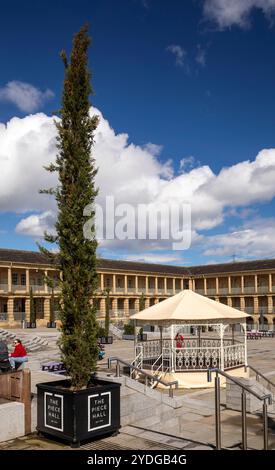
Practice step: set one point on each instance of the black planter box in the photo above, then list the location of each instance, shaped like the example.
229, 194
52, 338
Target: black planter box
106, 339
51, 324
76, 416
30, 324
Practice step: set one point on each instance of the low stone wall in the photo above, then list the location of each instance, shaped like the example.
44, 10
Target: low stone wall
12, 421
234, 393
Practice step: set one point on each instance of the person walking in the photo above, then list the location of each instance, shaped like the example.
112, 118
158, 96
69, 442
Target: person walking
19, 355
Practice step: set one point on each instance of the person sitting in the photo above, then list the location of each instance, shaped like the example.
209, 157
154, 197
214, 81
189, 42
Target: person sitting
19, 355
4, 357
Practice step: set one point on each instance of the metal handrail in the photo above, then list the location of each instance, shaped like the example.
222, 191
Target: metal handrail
264, 398
146, 374
161, 364
259, 374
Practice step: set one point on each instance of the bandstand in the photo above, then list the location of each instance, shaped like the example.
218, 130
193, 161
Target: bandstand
212, 335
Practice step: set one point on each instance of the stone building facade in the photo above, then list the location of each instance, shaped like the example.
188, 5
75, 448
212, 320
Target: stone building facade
248, 286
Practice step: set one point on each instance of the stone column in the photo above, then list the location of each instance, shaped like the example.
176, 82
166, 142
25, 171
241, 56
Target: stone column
256, 305
47, 309
242, 284
181, 284
147, 303
242, 304
102, 282
27, 280
102, 307
256, 284
136, 284
156, 285
126, 308
137, 305
46, 288
114, 306
165, 286
10, 309
174, 285
217, 285
269, 304
114, 284
9, 280
229, 301
27, 309
146, 285
270, 282
126, 285
190, 284
205, 286
229, 284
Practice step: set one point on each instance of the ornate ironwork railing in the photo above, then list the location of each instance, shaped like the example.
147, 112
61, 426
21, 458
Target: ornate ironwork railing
192, 357
196, 358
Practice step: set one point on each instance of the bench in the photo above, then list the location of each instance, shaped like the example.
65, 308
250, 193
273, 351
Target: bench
56, 367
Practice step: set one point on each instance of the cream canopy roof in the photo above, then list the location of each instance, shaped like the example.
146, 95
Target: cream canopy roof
189, 306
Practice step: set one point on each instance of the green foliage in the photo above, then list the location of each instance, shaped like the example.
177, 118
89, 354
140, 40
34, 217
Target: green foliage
129, 329
32, 308
76, 189
142, 302
101, 331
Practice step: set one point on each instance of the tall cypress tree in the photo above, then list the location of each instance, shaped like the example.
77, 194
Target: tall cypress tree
76, 189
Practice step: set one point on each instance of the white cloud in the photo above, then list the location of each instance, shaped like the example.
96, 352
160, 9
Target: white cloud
156, 258
179, 52
25, 96
131, 173
201, 56
254, 239
37, 224
227, 13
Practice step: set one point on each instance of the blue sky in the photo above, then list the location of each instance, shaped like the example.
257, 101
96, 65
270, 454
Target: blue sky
188, 76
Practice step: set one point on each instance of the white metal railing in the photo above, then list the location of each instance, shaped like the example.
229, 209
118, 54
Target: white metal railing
4, 287
263, 289
19, 287
236, 290
211, 291
200, 291
19, 316
120, 289
223, 290
37, 288
194, 357
249, 289
234, 355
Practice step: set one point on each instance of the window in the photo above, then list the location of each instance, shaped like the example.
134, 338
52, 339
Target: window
23, 279
15, 278
108, 282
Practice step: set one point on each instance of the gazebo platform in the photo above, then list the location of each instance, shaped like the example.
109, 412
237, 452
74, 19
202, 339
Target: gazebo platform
187, 358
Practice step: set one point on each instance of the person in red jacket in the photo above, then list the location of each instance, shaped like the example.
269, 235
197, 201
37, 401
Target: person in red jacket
19, 354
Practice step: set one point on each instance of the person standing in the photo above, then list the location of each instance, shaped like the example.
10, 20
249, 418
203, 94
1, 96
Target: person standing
19, 355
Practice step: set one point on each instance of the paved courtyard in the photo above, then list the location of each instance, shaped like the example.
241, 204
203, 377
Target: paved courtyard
197, 412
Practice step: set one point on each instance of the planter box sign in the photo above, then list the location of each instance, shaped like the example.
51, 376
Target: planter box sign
54, 411
78, 415
99, 411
